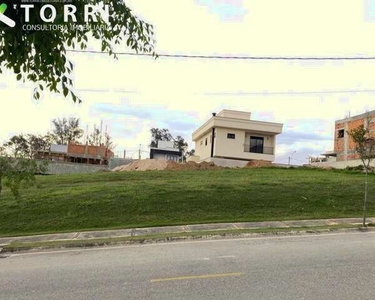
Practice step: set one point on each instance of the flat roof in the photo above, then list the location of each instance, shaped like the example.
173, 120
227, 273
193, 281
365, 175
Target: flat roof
236, 123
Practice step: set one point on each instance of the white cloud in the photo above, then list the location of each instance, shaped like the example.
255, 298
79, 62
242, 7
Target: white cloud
171, 90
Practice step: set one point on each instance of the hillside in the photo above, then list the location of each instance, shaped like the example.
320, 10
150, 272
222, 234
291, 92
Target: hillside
135, 199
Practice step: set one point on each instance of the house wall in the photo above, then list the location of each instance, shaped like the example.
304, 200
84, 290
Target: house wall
345, 146
239, 123
235, 148
201, 149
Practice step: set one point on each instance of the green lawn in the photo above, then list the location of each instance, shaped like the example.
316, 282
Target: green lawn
136, 199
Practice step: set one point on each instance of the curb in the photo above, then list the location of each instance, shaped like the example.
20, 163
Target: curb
149, 240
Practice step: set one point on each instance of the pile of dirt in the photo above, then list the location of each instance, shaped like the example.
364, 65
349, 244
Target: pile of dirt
143, 165
258, 164
191, 165
155, 164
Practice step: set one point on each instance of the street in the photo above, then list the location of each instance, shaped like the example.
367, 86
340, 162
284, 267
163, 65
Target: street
333, 266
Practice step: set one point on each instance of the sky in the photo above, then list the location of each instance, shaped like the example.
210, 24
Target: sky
133, 94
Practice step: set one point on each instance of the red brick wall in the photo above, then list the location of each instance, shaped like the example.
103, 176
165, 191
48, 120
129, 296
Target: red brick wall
76, 149
339, 145
91, 150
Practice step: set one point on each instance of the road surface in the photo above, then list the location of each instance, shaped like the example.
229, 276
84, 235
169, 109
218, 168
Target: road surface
337, 266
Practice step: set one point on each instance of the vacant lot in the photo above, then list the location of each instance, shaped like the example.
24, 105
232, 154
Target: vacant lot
135, 199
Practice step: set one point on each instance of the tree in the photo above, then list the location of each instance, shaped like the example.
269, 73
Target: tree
26, 146
38, 143
40, 56
164, 135
95, 137
66, 130
18, 146
191, 152
180, 143
17, 170
108, 142
365, 147
159, 135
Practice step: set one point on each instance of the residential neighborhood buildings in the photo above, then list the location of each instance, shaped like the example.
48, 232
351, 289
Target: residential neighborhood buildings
344, 153
165, 150
78, 153
231, 138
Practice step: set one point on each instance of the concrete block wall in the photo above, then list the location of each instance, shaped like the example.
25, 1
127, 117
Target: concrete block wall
60, 167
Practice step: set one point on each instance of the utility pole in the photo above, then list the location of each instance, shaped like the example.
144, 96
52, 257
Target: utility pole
101, 132
124, 154
139, 152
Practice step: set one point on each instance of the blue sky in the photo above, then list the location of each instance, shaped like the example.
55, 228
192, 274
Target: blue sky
134, 94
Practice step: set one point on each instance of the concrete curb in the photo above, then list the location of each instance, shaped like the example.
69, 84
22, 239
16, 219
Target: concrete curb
86, 235
89, 243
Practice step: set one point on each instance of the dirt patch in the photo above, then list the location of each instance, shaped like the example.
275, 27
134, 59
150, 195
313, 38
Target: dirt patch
191, 165
155, 164
258, 164
143, 165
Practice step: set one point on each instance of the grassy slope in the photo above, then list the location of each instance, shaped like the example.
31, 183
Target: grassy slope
135, 199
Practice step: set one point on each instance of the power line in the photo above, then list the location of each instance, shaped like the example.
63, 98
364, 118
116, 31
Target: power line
291, 92
233, 57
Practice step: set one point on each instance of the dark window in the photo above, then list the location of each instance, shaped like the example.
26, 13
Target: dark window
340, 133
205, 142
231, 136
256, 144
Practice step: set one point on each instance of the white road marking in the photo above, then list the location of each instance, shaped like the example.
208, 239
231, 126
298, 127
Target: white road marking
226, 256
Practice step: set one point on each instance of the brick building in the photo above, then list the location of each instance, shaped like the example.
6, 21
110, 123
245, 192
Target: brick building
344, 146
87, 154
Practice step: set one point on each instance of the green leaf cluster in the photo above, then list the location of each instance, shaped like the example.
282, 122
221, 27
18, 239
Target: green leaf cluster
40, 56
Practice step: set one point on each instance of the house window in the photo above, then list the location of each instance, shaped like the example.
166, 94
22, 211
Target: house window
256, 144
205, 142
201, 142
340, 133
231, 136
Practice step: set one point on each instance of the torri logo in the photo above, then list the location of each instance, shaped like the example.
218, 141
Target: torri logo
48, 13
3, 18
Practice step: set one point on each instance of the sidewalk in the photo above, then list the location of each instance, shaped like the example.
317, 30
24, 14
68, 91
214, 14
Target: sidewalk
87, 235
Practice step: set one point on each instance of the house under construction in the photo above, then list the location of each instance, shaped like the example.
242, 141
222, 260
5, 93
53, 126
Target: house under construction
77, 153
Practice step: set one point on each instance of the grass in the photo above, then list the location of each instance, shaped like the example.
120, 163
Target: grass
156, 198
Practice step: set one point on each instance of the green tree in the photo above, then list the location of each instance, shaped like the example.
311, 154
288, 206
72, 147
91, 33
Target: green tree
365, 147
18, 146
38, 143
95, 137
66, 130
159, 135
18, 170
180, 143
191, 152
108, 141
163, 134
41, 56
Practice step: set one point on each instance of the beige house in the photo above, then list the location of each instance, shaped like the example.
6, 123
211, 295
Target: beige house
231, 138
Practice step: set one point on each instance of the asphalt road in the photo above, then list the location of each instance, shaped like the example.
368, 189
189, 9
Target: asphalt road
339, 266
